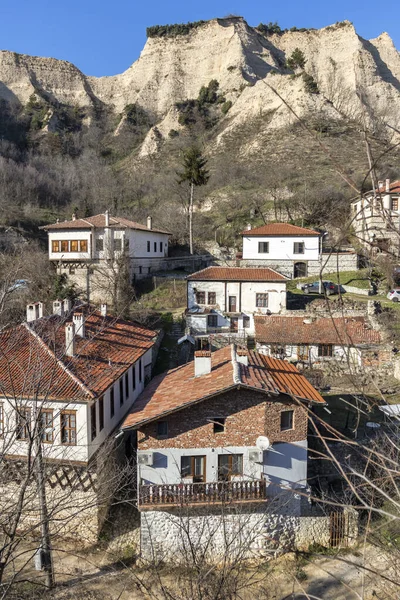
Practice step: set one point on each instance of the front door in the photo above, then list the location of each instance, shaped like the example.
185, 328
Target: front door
199, 469
232, 304
234, 324
300, 269
229, 465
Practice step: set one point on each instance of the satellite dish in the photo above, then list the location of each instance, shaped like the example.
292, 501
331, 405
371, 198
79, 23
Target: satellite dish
262, 443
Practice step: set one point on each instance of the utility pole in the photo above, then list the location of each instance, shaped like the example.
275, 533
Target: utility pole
46, 561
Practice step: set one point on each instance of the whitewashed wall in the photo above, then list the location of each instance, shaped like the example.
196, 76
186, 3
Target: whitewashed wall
342, 353
281, 248
245, 294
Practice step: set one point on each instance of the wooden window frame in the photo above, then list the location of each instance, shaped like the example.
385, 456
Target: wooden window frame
68, 428
55, 246
214, 319
23, 423
47, 438
212, 298
262, 246
75, 243
200, 297
298, 248
83, 245
192, 467
325, 350
394, 204
64, 246
262, 299
230, 472
303, 352
160, 425
219, 424
289, 411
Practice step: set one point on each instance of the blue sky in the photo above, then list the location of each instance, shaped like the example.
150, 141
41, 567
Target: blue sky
104, 37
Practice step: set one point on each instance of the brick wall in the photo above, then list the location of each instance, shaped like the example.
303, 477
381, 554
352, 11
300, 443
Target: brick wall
248, 415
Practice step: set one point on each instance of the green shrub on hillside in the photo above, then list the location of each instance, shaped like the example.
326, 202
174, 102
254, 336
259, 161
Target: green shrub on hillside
310, 84
136, 115
173, 30
226, 106
296, 60
269, 28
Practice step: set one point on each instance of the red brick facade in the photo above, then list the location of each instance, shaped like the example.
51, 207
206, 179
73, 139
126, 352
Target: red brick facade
248, 414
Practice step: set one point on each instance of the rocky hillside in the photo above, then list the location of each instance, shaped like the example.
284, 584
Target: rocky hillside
152, 109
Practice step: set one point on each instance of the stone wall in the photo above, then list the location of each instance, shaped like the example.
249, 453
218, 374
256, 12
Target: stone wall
236, 533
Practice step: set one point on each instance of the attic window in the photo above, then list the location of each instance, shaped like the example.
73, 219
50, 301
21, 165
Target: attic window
286, 420
162, 430
219, 424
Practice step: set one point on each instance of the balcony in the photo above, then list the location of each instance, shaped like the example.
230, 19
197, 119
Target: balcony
218, 492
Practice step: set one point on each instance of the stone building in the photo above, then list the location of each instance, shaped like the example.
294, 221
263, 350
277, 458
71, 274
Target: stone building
227, 432
224, 300
67, 381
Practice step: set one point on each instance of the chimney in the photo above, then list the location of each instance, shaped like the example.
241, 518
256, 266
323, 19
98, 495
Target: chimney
149, 222
79, 323
67, 305
202, 362
103, 309
242, 356
380, 185
107, 216
74, 216
388, 185
248, 227
69, 339
58, 308
34, 311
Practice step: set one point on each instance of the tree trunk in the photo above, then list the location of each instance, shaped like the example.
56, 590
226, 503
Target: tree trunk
191, 219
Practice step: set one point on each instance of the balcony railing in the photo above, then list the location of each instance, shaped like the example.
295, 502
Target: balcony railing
202, 493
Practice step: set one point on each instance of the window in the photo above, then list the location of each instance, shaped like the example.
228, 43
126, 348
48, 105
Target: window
101, 413
219, 424
302, 352
162, 430
325, 350
68, 427
134, 377
112, 402
246, 322
212, 321
261, 300
1, 419
229, 465
64, 246
23, 418
161, 248
140, 371
93, 421
263, 247
193, 466
286, 420
200, 297
298, 248
212, 298
395, 204
100, 245
55, 246
46, 425
74, 245
117, 244
121, 391
155, 246
126, 384
83, 246
148, 246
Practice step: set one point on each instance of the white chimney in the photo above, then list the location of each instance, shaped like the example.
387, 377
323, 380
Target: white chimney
79, 322
388, 185
107, 216
67, 305
103, 309
34, 311
58, 308
380, 185
202, 362
149, 222
70, 339
248, 227
242, 356
73, 216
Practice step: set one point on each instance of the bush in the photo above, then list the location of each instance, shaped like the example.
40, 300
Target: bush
297, 60
173, 30
173, 133
310, 84
136, 115
208, 94
226, 106
270, 28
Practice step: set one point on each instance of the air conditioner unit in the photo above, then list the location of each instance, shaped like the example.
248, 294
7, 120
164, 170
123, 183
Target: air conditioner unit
146, 459
256, 456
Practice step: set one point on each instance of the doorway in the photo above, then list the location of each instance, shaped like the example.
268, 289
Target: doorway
232, 304
299, 269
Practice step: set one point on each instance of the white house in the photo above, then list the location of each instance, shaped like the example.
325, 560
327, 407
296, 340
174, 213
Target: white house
225, 299
376, 218
77, 373
86, 249
295, 251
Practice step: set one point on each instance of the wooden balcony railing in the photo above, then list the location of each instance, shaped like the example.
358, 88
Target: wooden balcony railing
202, 493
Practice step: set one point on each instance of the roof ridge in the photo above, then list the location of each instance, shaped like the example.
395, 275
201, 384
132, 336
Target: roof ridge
235, 366
59, 361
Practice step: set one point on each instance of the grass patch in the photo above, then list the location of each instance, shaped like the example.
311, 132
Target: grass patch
164, 296
358, 279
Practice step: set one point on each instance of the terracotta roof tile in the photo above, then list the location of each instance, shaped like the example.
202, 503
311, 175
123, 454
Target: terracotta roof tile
33, 361
293, 330
279, 229
178, 388
100, 221
236, 274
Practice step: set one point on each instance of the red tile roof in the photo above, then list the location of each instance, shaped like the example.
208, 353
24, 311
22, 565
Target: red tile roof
33, 361
236, 274
100, 221
281, 229
348, 331
178, 388
394, 188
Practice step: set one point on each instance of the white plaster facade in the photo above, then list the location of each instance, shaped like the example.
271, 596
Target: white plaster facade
311, 353
281, 247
